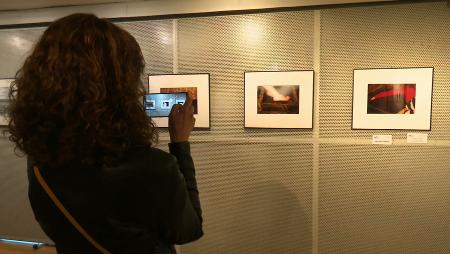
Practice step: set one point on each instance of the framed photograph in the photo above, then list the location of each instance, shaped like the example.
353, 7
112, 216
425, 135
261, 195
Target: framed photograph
197, 87
4, 99
279, 99
392, 98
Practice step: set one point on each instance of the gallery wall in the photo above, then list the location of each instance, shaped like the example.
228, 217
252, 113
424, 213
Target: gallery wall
325, 190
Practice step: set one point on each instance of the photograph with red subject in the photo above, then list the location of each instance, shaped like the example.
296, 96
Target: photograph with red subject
391, 98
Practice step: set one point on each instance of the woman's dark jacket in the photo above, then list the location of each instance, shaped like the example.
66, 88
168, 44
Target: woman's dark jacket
146, 204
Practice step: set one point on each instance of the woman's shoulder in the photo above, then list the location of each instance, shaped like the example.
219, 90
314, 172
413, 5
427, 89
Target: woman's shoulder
143, 166
150, 155
148, 161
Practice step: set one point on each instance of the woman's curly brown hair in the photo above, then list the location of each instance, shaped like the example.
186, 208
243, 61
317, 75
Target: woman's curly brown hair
78, 96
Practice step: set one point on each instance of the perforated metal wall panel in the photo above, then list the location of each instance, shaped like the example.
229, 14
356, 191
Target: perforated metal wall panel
254, 199
16, 218
389, 199
285, 190
228, 46
15, 45
155, 40
255, 183
402, 35
383, 199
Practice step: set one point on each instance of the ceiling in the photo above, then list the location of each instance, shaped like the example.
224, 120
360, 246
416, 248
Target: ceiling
8, 5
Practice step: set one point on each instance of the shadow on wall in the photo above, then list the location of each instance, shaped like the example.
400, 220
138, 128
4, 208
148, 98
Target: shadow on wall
271, 220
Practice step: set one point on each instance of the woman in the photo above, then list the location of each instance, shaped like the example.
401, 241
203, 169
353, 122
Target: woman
76, 113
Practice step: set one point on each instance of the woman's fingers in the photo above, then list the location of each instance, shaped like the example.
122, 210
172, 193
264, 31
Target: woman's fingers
175, 109
189, 100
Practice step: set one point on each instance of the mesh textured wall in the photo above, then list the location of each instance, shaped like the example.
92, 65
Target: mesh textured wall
16, 218
392, 199
256, 197
383, 199
155, 40
256, 184
15, 45
228, 46
408, 35
256, 192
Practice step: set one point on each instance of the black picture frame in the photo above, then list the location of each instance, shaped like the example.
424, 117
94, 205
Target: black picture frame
398, 128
